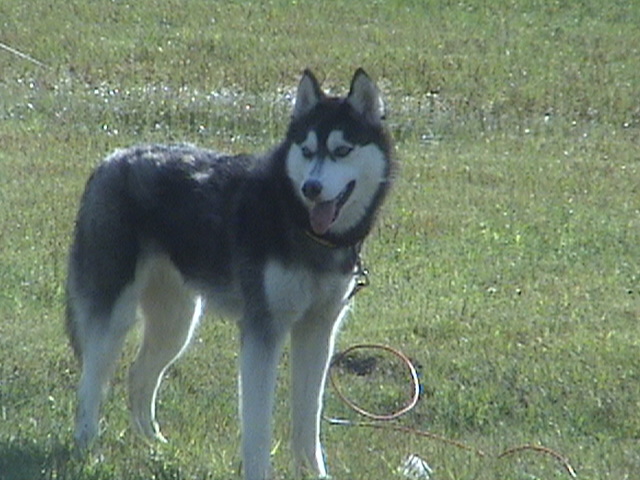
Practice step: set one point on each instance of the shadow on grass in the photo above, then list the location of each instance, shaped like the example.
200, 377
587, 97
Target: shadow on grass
22, 459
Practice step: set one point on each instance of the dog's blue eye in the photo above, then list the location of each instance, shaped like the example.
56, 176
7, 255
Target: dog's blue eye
342, 151
307, 152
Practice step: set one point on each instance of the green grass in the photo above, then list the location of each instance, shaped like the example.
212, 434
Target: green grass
505, 264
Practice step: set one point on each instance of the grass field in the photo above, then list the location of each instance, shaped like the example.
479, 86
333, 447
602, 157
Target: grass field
506, 264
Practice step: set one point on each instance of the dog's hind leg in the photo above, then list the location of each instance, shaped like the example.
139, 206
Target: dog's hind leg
171, 312
99, 345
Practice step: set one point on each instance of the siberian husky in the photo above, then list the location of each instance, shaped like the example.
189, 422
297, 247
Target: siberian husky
272, 240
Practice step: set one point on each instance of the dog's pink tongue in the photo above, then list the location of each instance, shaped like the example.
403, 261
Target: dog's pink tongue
321, 216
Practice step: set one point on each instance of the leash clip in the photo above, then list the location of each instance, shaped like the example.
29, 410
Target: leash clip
361, 274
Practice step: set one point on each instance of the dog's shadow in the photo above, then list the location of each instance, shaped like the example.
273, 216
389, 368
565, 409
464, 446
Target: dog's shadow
25, 459
22, 459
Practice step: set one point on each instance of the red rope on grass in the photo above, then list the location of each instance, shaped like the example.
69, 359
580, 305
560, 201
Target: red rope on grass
415, 396
542, 449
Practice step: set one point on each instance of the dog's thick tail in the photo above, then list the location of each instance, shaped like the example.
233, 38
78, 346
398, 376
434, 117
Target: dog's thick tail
71, 327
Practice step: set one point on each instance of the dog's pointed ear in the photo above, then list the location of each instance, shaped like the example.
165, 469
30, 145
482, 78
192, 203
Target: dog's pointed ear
365, 97
308, 95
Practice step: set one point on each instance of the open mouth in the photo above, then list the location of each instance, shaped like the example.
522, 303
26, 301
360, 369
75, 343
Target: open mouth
324, 214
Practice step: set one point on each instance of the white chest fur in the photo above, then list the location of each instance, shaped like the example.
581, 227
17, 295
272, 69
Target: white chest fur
291, 292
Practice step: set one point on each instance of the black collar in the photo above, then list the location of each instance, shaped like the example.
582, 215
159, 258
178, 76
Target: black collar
360, 272
319, 240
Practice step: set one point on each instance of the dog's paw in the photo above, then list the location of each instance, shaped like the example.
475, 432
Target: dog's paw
148, 429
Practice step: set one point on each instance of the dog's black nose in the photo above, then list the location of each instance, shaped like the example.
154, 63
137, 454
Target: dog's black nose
312, 189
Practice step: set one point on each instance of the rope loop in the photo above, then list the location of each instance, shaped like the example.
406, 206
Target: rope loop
413, 374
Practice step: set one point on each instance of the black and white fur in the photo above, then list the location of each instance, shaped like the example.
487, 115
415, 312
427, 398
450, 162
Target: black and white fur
272, 240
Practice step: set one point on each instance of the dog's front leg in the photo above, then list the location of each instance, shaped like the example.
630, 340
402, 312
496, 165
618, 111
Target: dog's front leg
259, 356
311, 348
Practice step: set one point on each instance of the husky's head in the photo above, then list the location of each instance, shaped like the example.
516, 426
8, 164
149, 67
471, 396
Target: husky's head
339, 159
